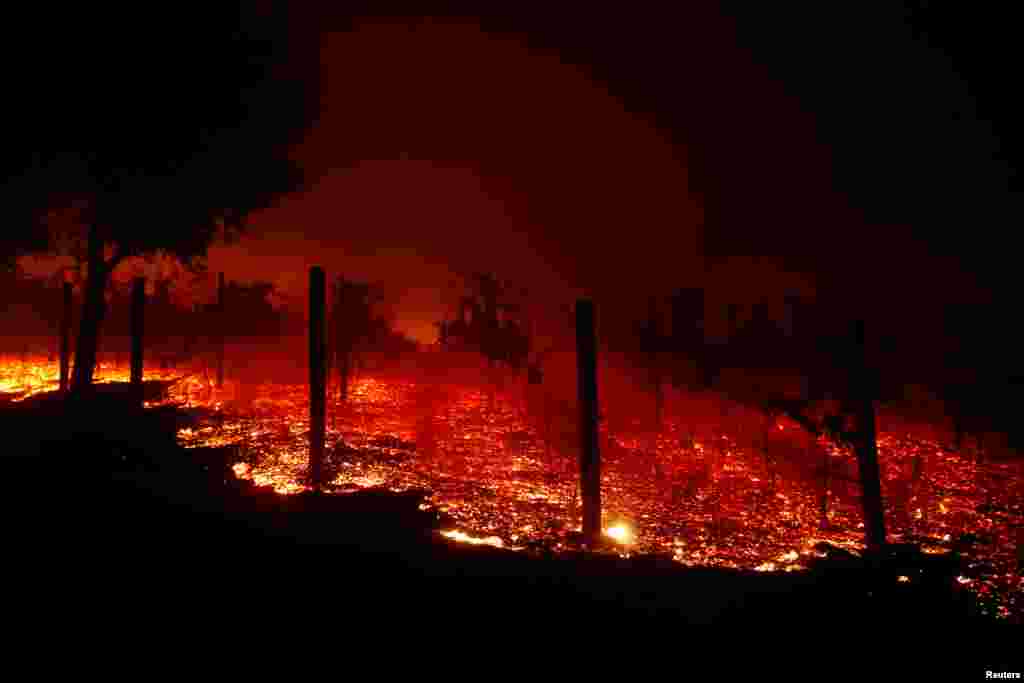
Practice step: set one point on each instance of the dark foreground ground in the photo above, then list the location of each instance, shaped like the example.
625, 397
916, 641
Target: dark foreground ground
103, 510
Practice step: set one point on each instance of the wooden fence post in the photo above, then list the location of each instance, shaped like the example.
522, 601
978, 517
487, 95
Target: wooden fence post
317, 375
65, 339
590, 456
138, 307
221, 330
863, 396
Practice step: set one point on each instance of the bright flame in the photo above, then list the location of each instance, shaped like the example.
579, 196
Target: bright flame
461, 537
620, 533
528, 485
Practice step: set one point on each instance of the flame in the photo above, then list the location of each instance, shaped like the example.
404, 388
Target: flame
461, 537
620, 533
719, 495
22, 379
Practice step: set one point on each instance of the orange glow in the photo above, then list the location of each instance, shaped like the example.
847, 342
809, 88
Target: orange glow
620, 533
461, 537
21, 380
712, 502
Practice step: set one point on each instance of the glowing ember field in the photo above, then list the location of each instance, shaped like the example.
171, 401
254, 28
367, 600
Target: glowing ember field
22, 377
704, 495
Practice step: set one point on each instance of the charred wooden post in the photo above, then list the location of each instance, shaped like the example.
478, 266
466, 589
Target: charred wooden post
94, 310
137, 327
334, 336
863, 391
590, 457
221, 329
317, 375
331, 351
826, 467
65, 339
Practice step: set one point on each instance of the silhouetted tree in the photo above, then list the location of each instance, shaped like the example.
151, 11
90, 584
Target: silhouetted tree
652, 345
250, 311
492, 320
352, 326
160, 138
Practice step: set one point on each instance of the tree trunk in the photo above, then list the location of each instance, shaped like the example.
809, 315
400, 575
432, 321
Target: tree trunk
221, 325
94, 310
137, 329
65, 339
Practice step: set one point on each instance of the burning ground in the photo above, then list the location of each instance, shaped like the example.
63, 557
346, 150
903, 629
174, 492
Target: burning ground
738, 491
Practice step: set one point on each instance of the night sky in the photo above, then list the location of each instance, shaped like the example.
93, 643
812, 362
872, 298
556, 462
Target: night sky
865, 158
618, 153
444, 151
